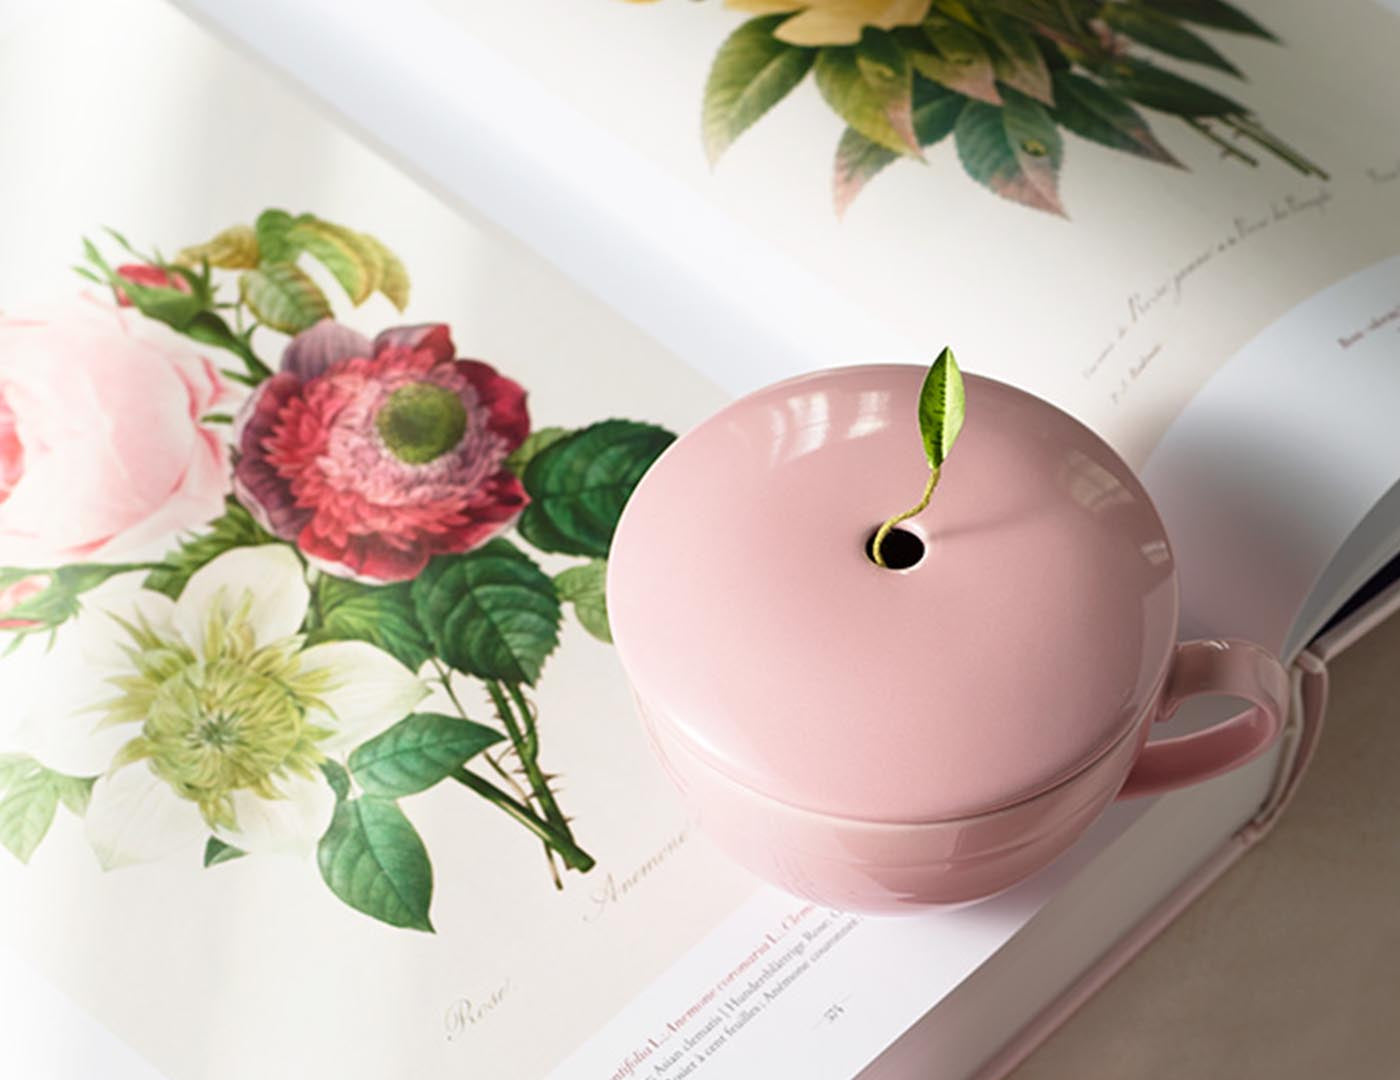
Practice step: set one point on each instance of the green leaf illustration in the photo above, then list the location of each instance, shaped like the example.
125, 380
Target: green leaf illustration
337, 778
417, 752
1054, 16
1017, 60
1015, 150
579, 485
1165, 34
533, 444
14, 767
234, 248
960, 61
1213, 13
270, 231
751, 73
26, 812
283, 297
869, 86
383, 615
373, 859
1091, 112
491, 613
1158, 89
216, 851
858, 159
340, 251
942, 408
586, 588
391, 278
75, 792
236, 528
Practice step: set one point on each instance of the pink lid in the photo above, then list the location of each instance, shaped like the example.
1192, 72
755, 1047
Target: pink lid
1029, 638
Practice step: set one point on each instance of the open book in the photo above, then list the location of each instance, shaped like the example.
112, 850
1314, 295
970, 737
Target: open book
1228, 325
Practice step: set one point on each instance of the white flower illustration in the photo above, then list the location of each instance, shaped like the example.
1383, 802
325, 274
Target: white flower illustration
215, 716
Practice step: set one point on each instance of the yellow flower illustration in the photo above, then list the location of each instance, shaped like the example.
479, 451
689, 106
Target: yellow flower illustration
835, 22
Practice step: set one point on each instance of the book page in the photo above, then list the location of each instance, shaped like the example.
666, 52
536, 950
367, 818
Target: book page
208, 962
1112, 281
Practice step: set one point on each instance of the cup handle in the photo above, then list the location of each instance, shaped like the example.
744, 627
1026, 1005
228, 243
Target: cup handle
1230, 667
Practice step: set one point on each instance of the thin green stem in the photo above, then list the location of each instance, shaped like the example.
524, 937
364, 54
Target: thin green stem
538, 785
522, 799
574, 857
445, 677
1243, 125
1226, 147
532, 739
877, 547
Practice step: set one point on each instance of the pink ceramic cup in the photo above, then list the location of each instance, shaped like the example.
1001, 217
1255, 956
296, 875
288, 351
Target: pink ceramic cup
878, 739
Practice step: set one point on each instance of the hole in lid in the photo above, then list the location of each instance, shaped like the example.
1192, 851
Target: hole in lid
901, 549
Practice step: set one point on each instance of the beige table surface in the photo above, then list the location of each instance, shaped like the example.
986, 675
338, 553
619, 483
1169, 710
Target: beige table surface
1289, 967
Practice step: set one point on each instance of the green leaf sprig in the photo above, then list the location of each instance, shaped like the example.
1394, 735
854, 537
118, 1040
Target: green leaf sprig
942, 408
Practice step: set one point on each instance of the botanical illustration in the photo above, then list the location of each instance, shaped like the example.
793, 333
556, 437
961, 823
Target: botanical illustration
1000, 78
254, 565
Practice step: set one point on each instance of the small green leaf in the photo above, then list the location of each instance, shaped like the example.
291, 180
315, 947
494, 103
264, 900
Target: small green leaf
75, 792
418, 752
283, 297
340, 251
374, 860
858, 159
870, 86
236, 528
337, 778
751, 73
1015, 150
1017, 61
391, 278
216, 851
533, 444
959, 62
14, 767
586, 588
26, 812
1213, 13
491, 612
235, 248
1166, 35
1091, 112
380, 614
270, 233
1158, 89
942, 408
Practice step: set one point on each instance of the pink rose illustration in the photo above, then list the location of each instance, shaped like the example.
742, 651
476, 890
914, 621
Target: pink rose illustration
102, 455
153, 277
375, 456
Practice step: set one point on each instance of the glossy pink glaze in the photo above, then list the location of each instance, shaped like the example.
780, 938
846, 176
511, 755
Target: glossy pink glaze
873, 738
